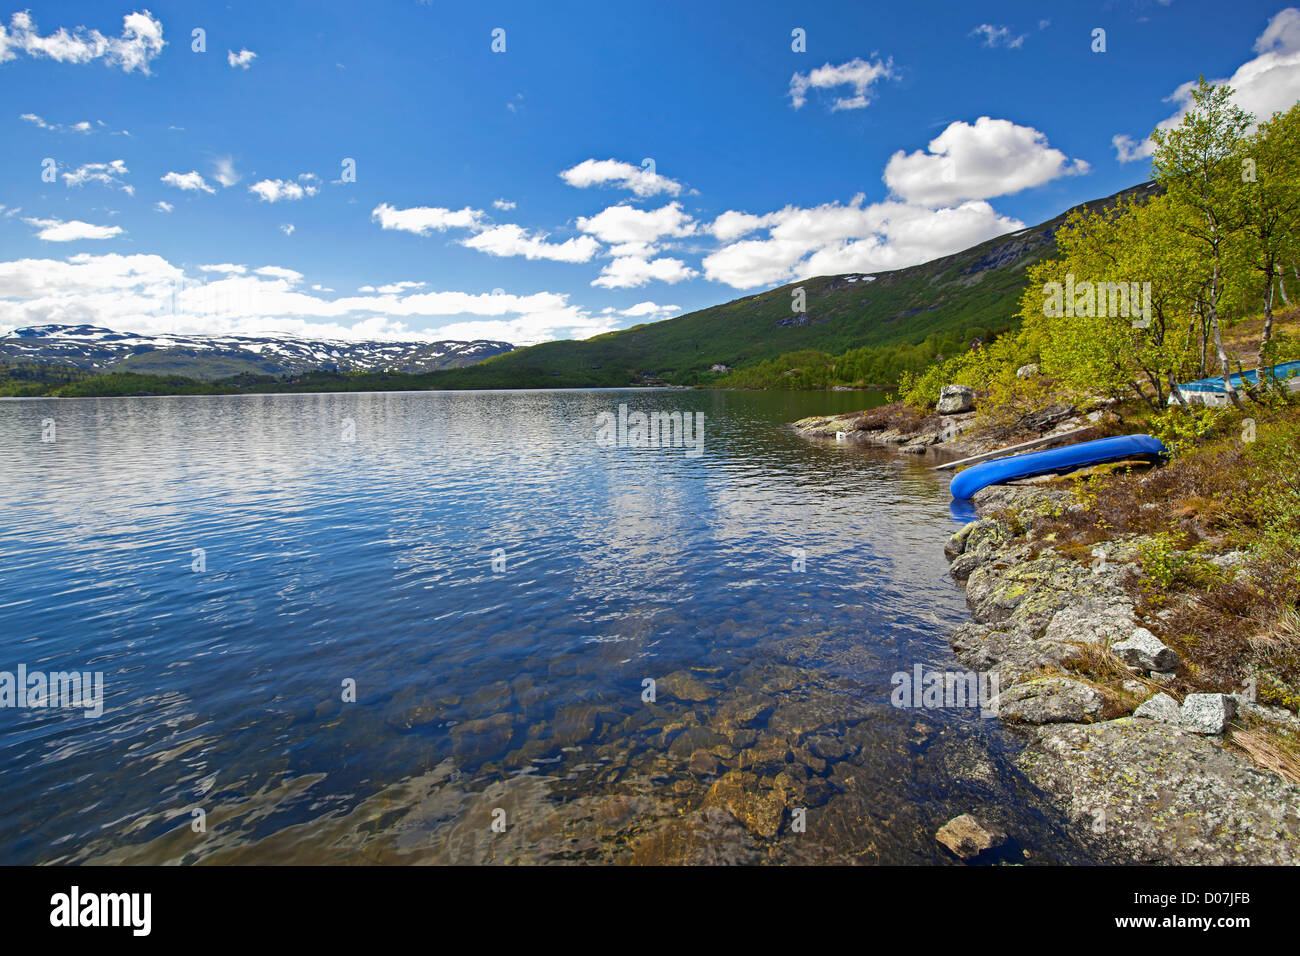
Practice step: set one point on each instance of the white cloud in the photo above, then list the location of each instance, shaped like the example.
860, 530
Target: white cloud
857, 73
287, 228
835, 238
505, 239
993, 157
107, 174
423, 220
146, 293
82, 127
163, 206
630, 272
504, 204
190, 182
995, 36
277, 190
278, 272
141, 41
643, 309
224, 171
57, 230
732, 225
512, 240
1261, 86
1127, 149
641, 181
618, 224
241, 60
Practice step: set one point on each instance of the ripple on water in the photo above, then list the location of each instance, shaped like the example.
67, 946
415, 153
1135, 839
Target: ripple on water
231, 565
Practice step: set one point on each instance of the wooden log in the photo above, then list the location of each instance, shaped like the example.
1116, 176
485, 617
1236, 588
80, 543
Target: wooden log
1011, 450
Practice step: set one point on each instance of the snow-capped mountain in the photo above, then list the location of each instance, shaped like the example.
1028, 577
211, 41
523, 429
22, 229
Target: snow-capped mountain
216, 356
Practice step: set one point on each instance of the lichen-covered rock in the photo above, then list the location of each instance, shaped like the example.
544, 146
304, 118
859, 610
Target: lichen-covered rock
1093, 621
967, 837
957, 543
1162, 708
1145, 652
1049, 700
1158, 795
955, 399
1208, 713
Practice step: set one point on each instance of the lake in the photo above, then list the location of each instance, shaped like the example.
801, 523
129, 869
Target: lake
467, 627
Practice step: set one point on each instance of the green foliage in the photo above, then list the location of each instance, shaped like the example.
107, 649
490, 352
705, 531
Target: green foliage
992, 366
1271, 505
1181, 429
1167, 562
865, 367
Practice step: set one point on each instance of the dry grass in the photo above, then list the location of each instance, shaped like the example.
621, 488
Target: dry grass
899, 416
1270, 749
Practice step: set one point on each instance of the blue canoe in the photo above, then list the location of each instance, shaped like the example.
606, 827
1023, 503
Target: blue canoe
1059, 460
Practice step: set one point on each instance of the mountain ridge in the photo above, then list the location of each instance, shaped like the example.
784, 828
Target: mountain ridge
973, 291
210, 357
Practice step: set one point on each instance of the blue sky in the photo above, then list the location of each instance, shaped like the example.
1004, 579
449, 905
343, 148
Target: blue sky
505, 195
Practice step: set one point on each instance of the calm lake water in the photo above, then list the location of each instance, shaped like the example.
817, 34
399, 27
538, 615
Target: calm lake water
500, 587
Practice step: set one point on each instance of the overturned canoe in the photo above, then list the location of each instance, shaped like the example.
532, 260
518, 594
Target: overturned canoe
1058, 460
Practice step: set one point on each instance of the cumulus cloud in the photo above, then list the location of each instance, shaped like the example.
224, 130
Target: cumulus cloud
835, 238
146, 293
630, 272
163, 206
645, 309
287, 228
503, 204
281, 190
241, 60
58, 230
512, 240
993, 157
190, 182
279, 272
423, 220
107, 174
1261, 86
505, 239
641, 180
140, 42
860, 74
732, 225
622, 223
995, 36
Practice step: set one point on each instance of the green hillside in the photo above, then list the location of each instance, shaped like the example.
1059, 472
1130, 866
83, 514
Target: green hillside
971, 293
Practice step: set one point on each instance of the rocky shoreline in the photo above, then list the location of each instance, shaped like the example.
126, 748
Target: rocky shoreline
1087, 684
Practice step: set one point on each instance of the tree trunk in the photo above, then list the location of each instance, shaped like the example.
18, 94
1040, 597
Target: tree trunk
1267, 335
1228, 387
1174, 392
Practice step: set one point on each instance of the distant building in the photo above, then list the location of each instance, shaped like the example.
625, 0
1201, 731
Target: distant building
719, 368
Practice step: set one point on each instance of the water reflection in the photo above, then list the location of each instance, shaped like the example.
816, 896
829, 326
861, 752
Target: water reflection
348, 540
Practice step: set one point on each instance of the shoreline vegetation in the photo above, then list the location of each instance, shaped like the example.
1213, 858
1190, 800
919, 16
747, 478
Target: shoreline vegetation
1144, 621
